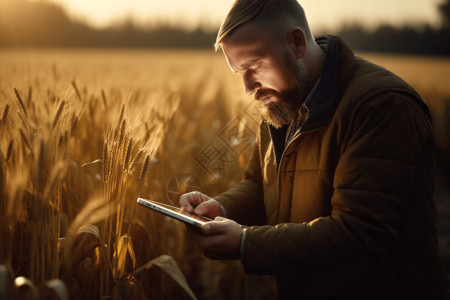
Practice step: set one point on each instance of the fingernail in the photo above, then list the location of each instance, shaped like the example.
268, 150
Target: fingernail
206, 228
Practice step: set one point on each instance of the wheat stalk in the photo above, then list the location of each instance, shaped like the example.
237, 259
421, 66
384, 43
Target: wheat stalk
9, 151
144, 169
30, 93
58, 113
19, 98
73, 124
127, 154
141, 179
77, 91
25, 139
136, 159
122, 112
41, 166
122, 131
105, 162
5, 114
104, 99
63, 139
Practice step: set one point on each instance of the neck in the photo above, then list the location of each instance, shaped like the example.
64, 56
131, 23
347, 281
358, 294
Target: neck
314, 59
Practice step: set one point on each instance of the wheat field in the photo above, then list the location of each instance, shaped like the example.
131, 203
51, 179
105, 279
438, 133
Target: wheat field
85, 132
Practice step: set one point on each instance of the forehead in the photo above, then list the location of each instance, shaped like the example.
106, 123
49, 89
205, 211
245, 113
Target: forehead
248, 41
250, 33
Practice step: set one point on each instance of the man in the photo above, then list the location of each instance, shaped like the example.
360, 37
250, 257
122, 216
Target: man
337, 199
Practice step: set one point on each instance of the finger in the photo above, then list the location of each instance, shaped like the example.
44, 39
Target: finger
217, 227
186, 203
190, 200
194, 198
203, 208
210, 209
199, 198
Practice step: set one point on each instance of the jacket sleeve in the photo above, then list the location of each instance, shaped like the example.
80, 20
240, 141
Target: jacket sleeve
384, 157
244, 203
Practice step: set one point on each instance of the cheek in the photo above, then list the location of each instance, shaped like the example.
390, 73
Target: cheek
277, 75
276, 79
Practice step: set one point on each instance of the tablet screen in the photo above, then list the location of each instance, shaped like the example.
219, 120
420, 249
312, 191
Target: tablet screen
174, 213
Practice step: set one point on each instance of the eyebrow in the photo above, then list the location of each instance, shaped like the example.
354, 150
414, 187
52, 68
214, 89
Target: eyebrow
246, 65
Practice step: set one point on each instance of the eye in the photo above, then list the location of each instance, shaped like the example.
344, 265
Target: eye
255, 68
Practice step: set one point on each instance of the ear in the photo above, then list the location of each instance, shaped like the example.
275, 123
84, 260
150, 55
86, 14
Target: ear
297, 38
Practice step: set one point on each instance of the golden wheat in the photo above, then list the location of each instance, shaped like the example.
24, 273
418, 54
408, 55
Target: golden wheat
5, 114
21, 103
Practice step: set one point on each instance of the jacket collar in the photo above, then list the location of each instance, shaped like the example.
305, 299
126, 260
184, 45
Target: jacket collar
320, 100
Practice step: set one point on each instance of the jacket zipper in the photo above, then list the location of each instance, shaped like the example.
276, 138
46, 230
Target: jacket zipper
295, 138
279, 172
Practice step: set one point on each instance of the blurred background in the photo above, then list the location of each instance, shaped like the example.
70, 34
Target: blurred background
102, 101
402, 26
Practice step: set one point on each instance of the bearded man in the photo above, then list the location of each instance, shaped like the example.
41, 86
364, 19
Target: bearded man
337, 199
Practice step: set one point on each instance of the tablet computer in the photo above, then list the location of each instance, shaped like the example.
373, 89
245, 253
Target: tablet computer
174, 212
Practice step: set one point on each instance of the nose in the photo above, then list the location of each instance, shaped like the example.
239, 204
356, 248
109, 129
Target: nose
251, 84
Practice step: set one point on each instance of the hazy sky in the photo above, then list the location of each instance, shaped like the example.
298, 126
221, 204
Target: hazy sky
320, 13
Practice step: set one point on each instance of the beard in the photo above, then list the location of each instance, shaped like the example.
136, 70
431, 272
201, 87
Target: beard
286, 109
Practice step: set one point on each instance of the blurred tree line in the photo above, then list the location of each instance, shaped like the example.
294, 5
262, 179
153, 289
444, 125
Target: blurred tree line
420, 39
44, 24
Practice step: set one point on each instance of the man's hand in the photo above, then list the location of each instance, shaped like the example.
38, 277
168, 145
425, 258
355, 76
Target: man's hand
199, 204
219, 239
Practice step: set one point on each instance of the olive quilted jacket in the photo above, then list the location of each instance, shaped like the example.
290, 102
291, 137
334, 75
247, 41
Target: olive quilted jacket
345, 210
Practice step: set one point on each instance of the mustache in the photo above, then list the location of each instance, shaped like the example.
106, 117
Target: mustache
261, 94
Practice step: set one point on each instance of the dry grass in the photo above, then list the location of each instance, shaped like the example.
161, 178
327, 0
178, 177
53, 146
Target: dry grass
84, 132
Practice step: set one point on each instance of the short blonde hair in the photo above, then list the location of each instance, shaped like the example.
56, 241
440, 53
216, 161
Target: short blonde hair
245, 11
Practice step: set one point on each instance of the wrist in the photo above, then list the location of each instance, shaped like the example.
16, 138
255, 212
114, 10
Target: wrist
241, 246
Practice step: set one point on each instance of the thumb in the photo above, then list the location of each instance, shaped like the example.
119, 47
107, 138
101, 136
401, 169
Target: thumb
219, 225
